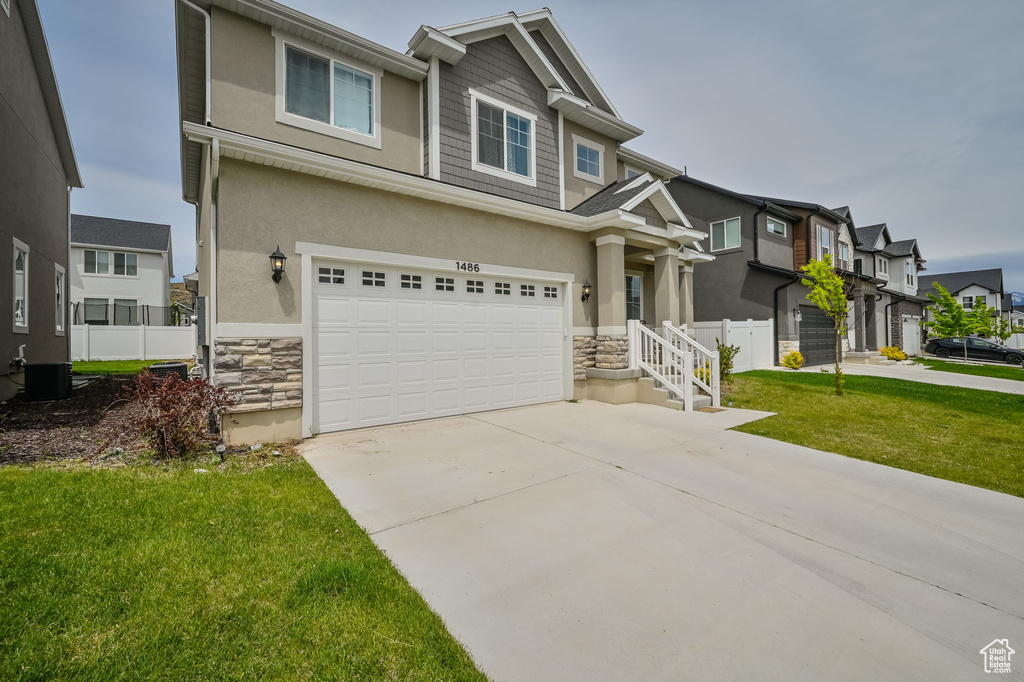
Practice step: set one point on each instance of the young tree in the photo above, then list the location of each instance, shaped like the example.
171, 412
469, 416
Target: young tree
828, 292
950, 319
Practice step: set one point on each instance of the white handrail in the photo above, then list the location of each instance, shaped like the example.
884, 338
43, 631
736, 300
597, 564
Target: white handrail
706, 360
670, 366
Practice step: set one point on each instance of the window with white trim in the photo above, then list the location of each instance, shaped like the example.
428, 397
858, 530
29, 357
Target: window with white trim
474, 286
373, 279
883, 267
444, 284
981, 300
632, 173
58, 301
322, 91
725, 234
843, 259
776, 227
412, 282
111, 263
910, 271
826, 241
589, 160
634, 296
21, 252
527, 290
968, 302
502, 288
331, 275
504, 141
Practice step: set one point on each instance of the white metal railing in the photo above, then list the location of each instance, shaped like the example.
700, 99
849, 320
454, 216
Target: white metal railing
706, 362
670, 366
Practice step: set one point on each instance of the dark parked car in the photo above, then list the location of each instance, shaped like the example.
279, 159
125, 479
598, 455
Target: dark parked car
977, 349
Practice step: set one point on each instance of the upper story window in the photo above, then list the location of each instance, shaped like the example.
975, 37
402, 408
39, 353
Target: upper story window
883, 267
826, 241
911, 272
99, 263
504, 140
776, 227
843, 257
318, 91
725, 234
968, 302
632, 173
589, 160
981, 300
21, 252
858, 266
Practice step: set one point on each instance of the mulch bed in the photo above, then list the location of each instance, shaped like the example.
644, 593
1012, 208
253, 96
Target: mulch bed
89, 423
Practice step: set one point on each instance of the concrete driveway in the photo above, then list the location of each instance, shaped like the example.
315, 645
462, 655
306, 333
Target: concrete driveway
600, 542
927, 375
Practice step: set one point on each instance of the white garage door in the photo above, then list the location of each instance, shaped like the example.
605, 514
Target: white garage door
398, 344
911, 337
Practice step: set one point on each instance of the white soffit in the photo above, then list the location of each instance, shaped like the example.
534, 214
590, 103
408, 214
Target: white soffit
586, 114
429, 42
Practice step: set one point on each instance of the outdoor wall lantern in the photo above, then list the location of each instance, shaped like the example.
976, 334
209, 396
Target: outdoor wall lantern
586, 290
277, 260
797, 315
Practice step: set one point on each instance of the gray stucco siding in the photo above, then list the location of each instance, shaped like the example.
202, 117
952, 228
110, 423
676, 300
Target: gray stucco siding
495, 68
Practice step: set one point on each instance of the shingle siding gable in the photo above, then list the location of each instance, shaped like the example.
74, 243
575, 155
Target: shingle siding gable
495, 68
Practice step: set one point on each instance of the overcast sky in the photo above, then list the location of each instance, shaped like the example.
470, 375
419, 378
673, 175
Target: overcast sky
910, 112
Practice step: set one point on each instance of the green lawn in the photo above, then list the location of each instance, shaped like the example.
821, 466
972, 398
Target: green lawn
115, 366
1007, 372
253, 573
959, 434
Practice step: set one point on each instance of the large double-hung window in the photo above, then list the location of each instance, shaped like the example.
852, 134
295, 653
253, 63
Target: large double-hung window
504, 140
322, 93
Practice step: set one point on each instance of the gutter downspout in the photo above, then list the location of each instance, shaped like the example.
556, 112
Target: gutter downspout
211, 332
206, 18
775, 311
888, 325
757, 253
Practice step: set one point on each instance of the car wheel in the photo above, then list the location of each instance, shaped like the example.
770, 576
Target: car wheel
942, 352
1015, 359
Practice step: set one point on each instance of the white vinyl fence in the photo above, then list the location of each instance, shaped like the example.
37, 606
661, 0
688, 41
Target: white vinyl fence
1016, 341
115, 342
755, 338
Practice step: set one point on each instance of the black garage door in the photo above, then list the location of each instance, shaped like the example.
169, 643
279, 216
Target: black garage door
817, 337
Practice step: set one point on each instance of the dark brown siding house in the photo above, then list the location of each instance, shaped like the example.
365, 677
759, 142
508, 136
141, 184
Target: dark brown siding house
37, 172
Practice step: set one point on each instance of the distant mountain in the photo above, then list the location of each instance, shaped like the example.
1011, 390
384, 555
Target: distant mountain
1018, 297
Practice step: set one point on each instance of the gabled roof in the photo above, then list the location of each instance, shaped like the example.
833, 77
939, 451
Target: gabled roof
626, 195
903, 248
955, 282
822, 210
122, 234
51, 93
772, 208
549, 54
869, 234
662, 170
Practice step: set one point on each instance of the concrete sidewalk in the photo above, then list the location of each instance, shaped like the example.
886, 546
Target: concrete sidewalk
926, 375
630, 542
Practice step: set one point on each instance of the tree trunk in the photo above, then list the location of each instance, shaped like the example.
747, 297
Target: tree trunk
839, 382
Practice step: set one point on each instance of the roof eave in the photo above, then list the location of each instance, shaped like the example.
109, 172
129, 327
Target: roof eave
586, 114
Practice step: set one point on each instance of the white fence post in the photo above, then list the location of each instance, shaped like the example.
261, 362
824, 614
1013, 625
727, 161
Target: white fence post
688, 382
631, 339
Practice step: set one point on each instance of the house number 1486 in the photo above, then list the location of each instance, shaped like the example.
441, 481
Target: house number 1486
467, 267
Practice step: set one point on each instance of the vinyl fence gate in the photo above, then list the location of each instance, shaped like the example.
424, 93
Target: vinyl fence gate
756, 339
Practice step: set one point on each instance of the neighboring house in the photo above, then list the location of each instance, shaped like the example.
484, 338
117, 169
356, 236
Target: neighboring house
760, 244
893, 307
975, 287
121, 272
37, 171
445, 214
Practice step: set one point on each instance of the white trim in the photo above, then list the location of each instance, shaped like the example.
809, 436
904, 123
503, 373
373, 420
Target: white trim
641, 179
611, 331
286, 157
578, 141
668, 251
428, 263
725, 234
423, 112
18, 245
589, 116
561, 161
610, 239
530, 179
61, 329
767, 226
284, 40
663, 170
634, 273
110, 262
434, 111
6, 5
584, 331
308, 392
428, 43
122, 249
627, 169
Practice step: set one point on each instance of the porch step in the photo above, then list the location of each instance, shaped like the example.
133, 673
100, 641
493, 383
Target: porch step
650, 393
881, 360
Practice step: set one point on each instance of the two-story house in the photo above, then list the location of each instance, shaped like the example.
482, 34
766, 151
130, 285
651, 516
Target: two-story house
760, 244
37, 171
121, 272
388, 236
975, 287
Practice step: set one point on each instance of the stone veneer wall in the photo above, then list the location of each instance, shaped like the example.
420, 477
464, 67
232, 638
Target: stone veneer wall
602, 352
584, 348
264, 374
902, 308
787, 347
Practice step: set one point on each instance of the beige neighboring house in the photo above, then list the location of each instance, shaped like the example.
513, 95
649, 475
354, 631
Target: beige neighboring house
444, 213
